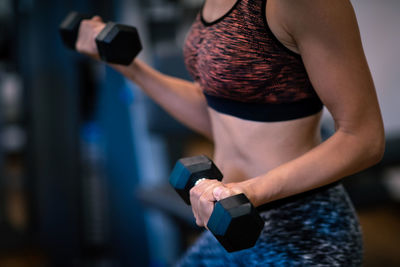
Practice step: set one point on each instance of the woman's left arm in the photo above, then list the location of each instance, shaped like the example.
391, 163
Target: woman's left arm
327, 36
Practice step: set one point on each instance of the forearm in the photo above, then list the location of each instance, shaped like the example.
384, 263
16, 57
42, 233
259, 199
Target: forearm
182, 99
341, 155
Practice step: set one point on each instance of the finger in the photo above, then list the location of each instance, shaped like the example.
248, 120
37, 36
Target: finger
201, 186
97, 18
202, 201
222, 192
206, 204
199, 181
194, 196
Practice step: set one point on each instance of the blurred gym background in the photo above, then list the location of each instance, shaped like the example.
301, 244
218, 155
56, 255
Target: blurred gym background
85, 156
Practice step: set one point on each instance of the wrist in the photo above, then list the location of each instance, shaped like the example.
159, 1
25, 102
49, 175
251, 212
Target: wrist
249, 188
131, 71
262, 189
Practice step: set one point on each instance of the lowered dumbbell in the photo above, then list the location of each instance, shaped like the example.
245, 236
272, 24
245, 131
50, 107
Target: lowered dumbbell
116, 43
234, 221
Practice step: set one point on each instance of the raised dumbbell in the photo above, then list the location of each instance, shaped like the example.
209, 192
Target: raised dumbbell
116, 43
234, 222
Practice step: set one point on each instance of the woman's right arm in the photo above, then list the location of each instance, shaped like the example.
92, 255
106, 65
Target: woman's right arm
182, 99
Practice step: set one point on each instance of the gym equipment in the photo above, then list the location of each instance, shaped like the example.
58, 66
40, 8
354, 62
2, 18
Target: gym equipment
69, 28
116, 43
234, 221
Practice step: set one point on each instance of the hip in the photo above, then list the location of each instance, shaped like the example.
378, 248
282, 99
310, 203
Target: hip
318, 228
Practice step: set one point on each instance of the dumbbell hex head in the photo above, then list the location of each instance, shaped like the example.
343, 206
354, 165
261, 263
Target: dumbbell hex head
118, 43
188, 171
235, 223
69, 28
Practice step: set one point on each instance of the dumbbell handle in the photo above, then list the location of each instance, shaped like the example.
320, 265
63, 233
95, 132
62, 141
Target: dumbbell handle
69, 30
238, 206
202, 179
70, 18
116, 43
234, 221
229, 202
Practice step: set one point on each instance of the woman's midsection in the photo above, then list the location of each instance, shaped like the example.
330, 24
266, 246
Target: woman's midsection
245, 149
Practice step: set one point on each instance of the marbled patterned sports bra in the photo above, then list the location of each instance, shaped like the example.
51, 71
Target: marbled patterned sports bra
244, 70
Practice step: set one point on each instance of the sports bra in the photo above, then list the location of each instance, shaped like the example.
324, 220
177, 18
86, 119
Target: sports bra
244, 70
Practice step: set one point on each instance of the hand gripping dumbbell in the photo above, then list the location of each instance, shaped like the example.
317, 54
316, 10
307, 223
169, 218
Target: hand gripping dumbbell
116, 43
234, 221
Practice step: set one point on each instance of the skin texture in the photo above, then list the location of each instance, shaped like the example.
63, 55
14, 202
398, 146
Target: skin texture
269, 161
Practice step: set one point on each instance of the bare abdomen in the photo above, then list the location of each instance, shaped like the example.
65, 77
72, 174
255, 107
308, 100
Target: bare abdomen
245, 149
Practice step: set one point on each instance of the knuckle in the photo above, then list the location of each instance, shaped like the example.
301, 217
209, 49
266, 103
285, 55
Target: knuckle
195, 192
85, 22
203, 199
78, 46
191, 192
199, 223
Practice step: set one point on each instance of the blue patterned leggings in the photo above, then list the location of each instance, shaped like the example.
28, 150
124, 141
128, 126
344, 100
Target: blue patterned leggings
313, 229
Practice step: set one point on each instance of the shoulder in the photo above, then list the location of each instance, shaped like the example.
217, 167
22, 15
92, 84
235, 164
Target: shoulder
276, 19
306, 18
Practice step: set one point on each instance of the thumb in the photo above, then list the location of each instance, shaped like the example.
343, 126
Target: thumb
97, 18
221, 192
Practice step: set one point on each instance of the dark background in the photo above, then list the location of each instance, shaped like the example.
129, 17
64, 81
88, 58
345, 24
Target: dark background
85, 156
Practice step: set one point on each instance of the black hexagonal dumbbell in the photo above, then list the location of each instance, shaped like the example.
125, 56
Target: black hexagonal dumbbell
116, 43
234, 221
